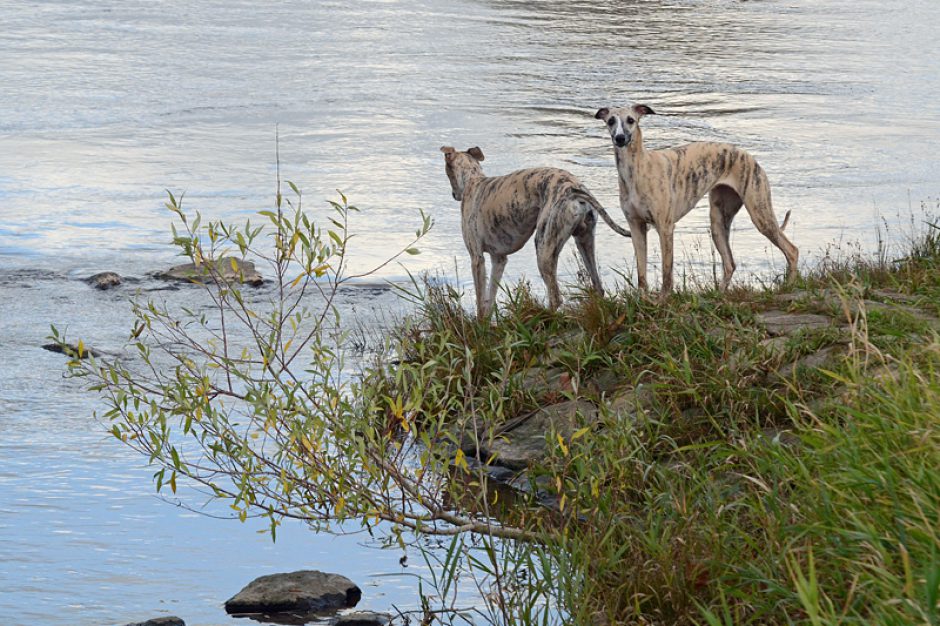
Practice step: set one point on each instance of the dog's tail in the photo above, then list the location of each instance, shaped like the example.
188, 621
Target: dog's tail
586, 195
786, 219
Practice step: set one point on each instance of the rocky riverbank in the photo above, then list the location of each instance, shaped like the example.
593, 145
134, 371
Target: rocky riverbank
760, 454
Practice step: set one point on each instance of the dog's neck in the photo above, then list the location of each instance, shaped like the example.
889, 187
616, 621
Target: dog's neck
629, 157
466, 176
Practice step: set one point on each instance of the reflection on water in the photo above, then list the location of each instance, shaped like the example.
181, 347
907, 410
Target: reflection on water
107, 104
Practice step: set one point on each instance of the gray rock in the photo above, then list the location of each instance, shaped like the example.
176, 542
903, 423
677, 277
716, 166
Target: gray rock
815, 360
104, 280
774, 346
363, 618
566, 338
892, 295
792, 296
629, 402
170, 620
540, 380
242, 272
779, 323
525, 443
307, 591
606, 381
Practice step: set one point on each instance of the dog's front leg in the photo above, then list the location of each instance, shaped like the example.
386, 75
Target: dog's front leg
638, 229
498, 262
666, 232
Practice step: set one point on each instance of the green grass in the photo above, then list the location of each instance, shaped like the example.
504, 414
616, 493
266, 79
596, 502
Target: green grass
723, 487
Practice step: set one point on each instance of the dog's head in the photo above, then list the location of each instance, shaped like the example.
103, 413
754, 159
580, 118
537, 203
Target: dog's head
460, 167
624, 122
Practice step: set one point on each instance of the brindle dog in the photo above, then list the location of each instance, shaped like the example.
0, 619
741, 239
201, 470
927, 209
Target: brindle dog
659, 187
500, 213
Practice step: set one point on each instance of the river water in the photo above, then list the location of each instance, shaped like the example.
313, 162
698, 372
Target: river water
105, 105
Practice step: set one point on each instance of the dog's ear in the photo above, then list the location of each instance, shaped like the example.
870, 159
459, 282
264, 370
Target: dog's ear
447, 150
476, 153
602, 113
642, 109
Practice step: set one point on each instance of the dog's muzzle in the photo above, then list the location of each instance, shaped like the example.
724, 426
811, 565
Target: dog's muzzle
621, 140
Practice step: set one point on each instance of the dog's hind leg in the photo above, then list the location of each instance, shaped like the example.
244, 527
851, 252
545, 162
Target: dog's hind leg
547, 253
584, 239
759, 206
478, 267
554, 228
725, 204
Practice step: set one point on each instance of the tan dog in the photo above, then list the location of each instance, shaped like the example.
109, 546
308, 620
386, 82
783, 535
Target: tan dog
659, 187
500, 213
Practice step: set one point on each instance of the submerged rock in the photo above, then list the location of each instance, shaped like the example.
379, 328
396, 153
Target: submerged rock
229, 269
306, 591
71, 350
363, 618
170, 620
104, 280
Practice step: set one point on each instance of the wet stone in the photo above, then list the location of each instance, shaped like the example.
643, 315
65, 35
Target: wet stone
363, 618
306, 591
228, 269
170, 620
104, 280
71, 350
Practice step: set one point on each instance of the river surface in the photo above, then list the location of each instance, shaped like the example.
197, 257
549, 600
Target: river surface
105, 105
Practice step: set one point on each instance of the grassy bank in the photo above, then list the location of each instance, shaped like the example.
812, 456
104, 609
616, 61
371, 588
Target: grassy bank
760, 456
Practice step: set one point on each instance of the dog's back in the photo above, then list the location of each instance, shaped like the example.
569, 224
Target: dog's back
504, 210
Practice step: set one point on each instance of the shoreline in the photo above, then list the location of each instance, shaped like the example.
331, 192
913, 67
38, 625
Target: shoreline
680, 433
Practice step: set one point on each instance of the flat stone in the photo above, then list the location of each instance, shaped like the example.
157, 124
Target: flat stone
566, 338
170, 620
540, 379
775, 345
811, 361
629, 402
778, 323
104, 280
793, 296
884, 307
525, 443
892, 295
241, 272
363, 618
306, 591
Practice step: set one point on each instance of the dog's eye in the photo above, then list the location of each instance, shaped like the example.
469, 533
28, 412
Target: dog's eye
630, 120
610, 122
